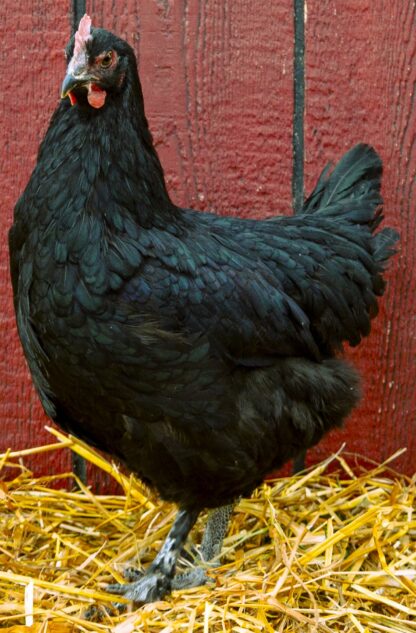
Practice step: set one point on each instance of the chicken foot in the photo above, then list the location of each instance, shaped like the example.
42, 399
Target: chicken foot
211, 545
159, 578
156, 582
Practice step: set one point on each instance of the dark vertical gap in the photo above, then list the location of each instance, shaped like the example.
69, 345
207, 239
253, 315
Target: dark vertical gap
79, 467
299, 105
78, 8
298, 134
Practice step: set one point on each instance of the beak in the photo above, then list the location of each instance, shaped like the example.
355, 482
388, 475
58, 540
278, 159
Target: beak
70, 82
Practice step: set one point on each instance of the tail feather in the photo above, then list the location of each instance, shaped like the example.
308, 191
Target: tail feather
383, 244
347, 200
353, 186
351, 192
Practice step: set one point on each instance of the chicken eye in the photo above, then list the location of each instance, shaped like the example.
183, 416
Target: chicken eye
106, 60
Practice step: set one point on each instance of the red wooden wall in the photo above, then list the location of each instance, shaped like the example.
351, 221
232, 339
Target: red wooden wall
217, 79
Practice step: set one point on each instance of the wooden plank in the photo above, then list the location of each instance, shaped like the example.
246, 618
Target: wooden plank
360, 81
31, 69
217, 84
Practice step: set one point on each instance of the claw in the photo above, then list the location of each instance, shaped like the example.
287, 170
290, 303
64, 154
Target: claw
149, 588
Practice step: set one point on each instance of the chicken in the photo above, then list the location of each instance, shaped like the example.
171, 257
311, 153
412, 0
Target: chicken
199, 350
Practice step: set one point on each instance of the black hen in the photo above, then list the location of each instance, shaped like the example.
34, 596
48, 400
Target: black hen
199, 350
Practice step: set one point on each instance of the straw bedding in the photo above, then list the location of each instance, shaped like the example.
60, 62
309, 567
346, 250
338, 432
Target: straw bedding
320, 552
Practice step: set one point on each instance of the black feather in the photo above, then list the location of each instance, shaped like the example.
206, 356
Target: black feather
197, 349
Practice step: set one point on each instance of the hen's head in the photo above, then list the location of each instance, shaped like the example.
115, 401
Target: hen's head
97, 65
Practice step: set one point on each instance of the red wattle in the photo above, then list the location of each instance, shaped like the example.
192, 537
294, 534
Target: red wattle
96, 96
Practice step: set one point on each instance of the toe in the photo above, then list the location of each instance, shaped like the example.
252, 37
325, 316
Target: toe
117, 588
99, 613
194, 578
131, 574
150, 587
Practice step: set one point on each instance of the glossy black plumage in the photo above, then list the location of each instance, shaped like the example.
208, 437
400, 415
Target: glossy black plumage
197, 349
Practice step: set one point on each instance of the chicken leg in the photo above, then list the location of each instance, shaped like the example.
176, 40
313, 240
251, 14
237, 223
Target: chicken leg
156, 582
159, 578
212, 540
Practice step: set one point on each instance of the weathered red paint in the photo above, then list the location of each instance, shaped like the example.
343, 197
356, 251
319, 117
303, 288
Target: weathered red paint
217, 79
361, 74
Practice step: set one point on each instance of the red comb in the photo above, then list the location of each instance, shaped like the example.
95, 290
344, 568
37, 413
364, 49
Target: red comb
83, 34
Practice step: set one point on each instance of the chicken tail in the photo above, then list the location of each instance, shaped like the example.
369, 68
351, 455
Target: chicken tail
353, 186
351, 192
383, 244
347, 203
